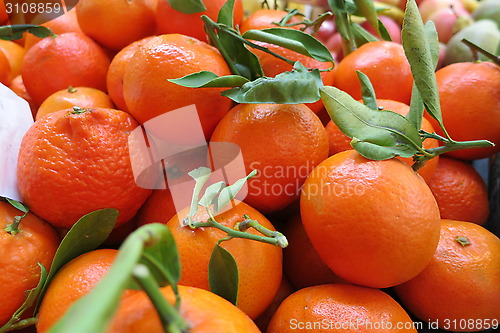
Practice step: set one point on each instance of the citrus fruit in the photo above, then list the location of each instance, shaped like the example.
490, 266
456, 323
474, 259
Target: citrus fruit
265, 19
15, 54
148, 94
470, 104
73, 281
384, 63
171, 21
378, 218
259, 278
116, 72
84, 97
36, 243
72, 162
301, 263
115, 23
202, 310
340, 308
460, 192
460, 288
283, 142
70, 59
59, 25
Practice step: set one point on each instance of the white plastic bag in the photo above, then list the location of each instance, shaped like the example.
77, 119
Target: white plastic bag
15, 119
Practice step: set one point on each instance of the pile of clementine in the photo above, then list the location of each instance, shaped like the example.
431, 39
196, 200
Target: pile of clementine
373, 245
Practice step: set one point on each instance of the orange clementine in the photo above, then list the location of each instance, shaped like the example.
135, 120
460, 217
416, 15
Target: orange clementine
202, 310
72, 162
73, 281
171, 21
340, 308
460, 288
283, 292
260, 277
301, 263
338, 141
15, 54
460, 192
384, 63
115, 23
282, 142
84, 97
148, 94
470, 103
59, 25
265, 19
36, 243
116, 72
70, 59
159, 207
378, 218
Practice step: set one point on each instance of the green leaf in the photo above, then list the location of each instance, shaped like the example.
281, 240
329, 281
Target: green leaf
383, 32
232, 47
367, 9
228, 193
376, 134
226, 14
419, 56
86, 235
294, 40
200, 176
433, 41
163, 261
342, 6
14, 32
362, 35
210, 193
367, 91
417, 104
92, 312
297, 86
31, 298
416, 112
206, 79
223, 275
187, 6
18, 205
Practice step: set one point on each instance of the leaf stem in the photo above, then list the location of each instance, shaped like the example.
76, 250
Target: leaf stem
448, 146
476, 48
13, 228
169, 316
270, 237
22, 324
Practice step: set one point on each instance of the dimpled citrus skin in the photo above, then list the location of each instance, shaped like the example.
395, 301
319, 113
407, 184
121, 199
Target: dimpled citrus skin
374, 223
283, 142
70, 59
340, 308
72, 164
20, 254
73, 281
461, 283
148, 93
203, 311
